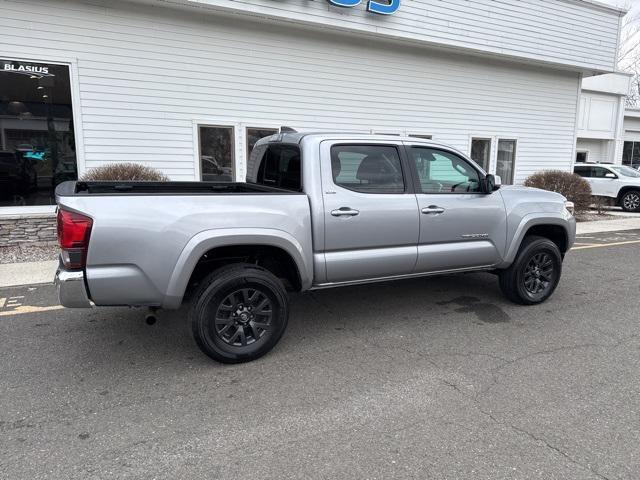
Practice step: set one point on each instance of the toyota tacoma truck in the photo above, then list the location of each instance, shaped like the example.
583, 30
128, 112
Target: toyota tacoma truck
317, 210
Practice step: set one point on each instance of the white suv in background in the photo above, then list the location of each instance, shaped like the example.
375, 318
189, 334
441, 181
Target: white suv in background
617, 182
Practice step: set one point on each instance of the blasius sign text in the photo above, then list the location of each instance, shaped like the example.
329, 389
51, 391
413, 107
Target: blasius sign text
382, 7
26, 69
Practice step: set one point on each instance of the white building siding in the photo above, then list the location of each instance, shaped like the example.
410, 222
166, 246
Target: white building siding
599, 150
145, 75
570, 32
632, 129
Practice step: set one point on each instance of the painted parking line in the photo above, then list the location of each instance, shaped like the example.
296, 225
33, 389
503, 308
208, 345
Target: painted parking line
23, 302
24, 309
602, 245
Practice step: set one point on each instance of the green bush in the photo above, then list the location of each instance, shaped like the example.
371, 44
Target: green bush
124, 172
575, 188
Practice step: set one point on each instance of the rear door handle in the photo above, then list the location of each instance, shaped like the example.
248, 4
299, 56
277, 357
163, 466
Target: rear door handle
345, 212
432, 210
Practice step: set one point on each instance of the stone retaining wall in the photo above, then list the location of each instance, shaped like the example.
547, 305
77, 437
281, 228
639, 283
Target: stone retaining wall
36, 229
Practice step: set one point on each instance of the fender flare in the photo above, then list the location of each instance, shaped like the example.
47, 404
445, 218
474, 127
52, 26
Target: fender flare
206, 240
532, 220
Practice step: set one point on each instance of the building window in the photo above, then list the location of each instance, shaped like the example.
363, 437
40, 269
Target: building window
37, 139
255, 134
582, 156
481, 152
506, 160
217, 160
631, 154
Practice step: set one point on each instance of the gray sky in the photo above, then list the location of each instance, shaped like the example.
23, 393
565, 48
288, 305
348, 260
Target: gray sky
632, 4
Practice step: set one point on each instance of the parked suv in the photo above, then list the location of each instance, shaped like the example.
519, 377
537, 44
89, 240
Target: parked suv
617, 182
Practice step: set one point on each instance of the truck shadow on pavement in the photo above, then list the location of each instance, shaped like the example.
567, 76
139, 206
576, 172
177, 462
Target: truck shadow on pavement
118, 338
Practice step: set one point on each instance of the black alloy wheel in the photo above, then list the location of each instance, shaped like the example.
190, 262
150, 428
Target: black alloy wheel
534, 274
539, 274
244, 317
239, 313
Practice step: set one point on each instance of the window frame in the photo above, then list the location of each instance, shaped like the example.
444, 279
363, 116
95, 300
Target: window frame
633, 146
586, 156
421, 136
74, 85
234, 147
492, 143
515, 158
405, 167
417, 186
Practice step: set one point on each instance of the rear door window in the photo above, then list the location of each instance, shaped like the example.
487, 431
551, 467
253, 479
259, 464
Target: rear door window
367, 168
583, 171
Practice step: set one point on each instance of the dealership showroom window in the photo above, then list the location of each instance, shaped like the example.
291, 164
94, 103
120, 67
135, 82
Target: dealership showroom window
37, 143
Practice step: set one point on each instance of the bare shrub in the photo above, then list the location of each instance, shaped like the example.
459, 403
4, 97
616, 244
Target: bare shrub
124, 172
575, 188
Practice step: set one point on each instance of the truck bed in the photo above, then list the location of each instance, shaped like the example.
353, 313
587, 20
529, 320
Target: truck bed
67, 189
147, 236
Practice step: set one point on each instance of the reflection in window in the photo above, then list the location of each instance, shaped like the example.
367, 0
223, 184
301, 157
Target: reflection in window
481, 152
444, 172
367, 168
631, 154
280, 166
37, 141
255, 134
216, 153
506, 160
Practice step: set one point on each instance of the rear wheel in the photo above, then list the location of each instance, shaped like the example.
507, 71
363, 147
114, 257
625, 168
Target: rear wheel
535, 273
239, 313
630, 201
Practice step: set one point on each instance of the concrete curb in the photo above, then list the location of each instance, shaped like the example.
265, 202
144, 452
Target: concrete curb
616, 225
27, 273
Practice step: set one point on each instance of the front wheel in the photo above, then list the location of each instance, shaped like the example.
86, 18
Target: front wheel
535, 273
239, 313
630, 201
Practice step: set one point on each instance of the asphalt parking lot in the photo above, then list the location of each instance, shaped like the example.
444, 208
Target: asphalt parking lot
428, 378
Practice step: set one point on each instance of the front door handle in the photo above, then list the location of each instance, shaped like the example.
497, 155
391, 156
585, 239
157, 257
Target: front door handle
345, 212
432, 210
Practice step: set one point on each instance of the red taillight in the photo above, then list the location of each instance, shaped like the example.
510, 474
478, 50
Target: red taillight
73, 236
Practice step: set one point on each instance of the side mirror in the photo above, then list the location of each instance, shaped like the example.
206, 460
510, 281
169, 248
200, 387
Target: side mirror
491, 183
610, 175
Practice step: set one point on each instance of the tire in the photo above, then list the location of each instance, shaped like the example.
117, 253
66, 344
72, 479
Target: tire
630, 201
239, 313
535, 273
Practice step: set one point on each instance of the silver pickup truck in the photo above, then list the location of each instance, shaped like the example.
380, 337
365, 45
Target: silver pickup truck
318, 210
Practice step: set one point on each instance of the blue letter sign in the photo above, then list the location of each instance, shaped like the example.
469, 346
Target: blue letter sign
382, 7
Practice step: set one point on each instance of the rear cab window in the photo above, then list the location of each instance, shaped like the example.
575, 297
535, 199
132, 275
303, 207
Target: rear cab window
276, 165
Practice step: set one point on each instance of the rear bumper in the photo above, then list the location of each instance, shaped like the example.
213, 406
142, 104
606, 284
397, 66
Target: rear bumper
72, 290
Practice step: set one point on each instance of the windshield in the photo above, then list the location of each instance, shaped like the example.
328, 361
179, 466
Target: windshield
626, 171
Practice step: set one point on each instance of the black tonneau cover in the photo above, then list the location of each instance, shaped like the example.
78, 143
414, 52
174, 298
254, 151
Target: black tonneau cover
166, 188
